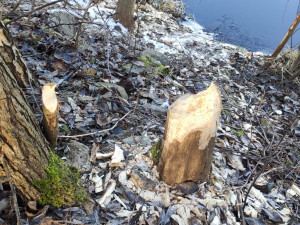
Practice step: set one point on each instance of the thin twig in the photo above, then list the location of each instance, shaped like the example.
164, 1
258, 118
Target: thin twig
80, 25
137, 100
271, 170
97, 132
13, 10
268, 159
34, 10
2, 8
136, 35
251, 132
104, 21
67, 222
12, 186
69, 24
252, 183
239, 204
110, 74
119, 97
283, 136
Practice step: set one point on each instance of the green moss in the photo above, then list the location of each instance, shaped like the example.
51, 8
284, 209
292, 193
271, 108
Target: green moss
289, 162
64, 128
38, 37
148, 61
126, 67
239, 133
158, 67
5, 20
61, 186
162, 69
266, 123
156, 151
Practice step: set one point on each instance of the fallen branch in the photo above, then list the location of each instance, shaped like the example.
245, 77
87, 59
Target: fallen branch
32, 11
286, 37
239, 204
97, 132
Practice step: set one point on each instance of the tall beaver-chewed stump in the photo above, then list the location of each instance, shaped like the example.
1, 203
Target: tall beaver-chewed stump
190, 131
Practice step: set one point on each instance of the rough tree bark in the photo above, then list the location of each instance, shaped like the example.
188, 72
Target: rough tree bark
22, 143
125, 13
190, 131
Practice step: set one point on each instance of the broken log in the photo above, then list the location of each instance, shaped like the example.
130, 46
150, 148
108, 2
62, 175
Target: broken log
190, 131
50, 113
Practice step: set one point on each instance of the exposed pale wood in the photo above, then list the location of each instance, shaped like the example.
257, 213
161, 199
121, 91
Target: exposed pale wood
190, 130
50, 113
23, 145
125, 13
286, 37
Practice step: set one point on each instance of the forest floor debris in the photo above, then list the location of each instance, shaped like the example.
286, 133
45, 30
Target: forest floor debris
114, 75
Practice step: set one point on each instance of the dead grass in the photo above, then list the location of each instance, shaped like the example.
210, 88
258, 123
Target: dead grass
283, 63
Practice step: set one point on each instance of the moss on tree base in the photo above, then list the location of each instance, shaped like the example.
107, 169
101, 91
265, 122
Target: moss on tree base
60, 187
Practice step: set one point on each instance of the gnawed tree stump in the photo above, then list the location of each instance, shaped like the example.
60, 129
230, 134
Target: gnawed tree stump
50, 113
190, 131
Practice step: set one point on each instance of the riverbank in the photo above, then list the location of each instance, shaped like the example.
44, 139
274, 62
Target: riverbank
120, 85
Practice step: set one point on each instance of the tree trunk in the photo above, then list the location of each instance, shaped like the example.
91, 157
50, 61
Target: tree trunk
125, 13
190, 131
14, 60
21, 141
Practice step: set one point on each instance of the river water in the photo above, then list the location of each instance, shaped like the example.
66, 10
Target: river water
257, 25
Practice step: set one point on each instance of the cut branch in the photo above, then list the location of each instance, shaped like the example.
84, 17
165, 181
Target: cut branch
50, 113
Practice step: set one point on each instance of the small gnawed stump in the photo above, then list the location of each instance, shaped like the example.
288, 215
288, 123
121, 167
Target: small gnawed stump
50, 113
190, 131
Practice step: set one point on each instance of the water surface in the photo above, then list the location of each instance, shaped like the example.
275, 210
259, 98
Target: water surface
257, 25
